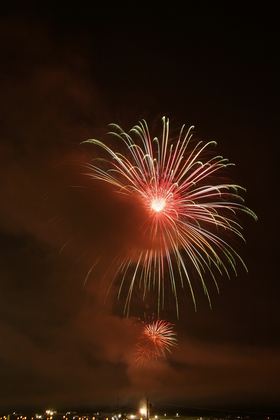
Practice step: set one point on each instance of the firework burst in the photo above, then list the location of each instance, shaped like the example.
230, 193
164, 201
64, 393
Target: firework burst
156, 341
189, 213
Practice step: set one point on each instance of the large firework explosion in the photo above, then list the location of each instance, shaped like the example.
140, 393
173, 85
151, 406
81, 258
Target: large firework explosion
189, 212
155, 342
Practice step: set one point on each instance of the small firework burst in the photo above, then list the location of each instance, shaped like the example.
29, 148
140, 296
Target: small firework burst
156, 341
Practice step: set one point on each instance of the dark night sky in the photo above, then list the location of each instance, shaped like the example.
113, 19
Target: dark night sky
69, 69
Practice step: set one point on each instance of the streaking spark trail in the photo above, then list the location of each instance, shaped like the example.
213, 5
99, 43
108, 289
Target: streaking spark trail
191, 214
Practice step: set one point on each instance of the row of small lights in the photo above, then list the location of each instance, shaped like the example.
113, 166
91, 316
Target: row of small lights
18, 418
65, 417
50, 416
143, 411
75, 417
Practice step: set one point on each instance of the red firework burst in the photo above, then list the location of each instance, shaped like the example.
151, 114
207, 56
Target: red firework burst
190, 216
156, 342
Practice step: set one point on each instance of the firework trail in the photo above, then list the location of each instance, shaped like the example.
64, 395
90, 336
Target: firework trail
190, 213
156, 342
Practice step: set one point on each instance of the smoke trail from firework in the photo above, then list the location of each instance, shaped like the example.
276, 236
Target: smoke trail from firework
190, 215
156, 342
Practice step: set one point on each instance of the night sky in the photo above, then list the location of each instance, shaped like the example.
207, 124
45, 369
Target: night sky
68, 69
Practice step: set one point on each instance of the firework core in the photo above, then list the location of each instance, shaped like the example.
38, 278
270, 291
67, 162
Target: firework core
158, 204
